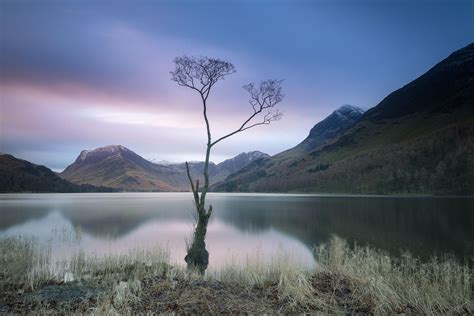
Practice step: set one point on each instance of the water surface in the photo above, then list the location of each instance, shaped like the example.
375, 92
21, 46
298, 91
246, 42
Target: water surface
243, 225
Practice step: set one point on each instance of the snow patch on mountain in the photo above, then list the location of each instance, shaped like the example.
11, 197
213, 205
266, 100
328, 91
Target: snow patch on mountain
111, 149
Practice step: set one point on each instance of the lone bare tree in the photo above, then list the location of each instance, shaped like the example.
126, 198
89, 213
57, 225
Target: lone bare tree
201, 74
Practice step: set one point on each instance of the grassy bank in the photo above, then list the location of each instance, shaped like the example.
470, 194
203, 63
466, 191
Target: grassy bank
347, 279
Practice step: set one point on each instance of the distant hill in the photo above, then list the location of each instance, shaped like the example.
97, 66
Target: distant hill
234, 164
321, 134
17, 175
419, 139
118, 167
220, 171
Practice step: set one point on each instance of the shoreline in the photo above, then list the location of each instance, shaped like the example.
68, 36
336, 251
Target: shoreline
347, 279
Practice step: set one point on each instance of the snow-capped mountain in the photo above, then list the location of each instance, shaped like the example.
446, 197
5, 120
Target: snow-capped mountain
339, 120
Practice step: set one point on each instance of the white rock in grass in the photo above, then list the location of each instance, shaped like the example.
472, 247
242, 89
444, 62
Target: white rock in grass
68, 277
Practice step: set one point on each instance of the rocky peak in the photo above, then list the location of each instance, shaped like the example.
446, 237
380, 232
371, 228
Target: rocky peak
240, 161
250, 156
102, 151
348, 109
338, 120
341, 119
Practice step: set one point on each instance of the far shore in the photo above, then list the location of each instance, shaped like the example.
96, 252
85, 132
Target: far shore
362, 195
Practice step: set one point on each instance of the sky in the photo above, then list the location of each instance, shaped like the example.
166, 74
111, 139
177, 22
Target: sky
78, 75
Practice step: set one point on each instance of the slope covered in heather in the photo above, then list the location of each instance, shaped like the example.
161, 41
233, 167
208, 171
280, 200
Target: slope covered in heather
17, 175
419, 139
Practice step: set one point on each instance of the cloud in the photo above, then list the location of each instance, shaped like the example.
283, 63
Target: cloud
78, 75
169, 120
61, 120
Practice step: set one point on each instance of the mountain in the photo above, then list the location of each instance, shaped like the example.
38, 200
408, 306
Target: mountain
234, 164
118, 167
220, 171
321, 134
329, 128
340, 120
419, 139
196, 168
241, 160
17, 175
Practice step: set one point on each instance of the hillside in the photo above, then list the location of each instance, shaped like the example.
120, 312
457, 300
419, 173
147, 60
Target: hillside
118, 167
218, 172
234, 164
329, 128
17, 175
324, 132
419, 139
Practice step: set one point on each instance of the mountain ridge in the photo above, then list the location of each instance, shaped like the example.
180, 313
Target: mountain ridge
398, 146
119, 167
19, 175
418, 139
340, 119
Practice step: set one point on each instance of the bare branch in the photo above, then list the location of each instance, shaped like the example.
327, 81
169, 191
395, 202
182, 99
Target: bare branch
195, 190
262, 99
200, 73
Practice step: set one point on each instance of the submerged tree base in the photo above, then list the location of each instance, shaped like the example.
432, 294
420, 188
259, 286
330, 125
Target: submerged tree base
197, 258
349, 280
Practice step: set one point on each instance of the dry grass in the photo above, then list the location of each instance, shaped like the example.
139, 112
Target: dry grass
24, 262
388, 285
136, 264
346, 280
289, 278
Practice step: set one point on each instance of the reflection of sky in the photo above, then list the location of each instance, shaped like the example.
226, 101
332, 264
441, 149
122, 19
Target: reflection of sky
81, 74
225, 242
246, 223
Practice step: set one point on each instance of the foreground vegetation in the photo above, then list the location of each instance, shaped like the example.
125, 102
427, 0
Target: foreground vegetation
346, 280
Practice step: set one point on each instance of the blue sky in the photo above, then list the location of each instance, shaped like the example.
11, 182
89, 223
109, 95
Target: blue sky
82, 74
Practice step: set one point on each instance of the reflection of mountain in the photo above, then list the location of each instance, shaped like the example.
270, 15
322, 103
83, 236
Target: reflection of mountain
108, 216
13, 214
118, 217
420, 225
106, 226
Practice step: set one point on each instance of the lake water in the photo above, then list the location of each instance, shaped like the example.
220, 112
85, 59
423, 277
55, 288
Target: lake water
244, 225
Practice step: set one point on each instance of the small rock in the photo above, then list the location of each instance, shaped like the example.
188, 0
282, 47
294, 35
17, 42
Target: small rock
68, 277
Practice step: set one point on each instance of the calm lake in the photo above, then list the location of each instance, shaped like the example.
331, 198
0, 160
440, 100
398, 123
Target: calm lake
243, 225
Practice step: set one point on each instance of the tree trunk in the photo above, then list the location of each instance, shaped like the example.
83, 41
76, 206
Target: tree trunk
198, 256
205, 72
